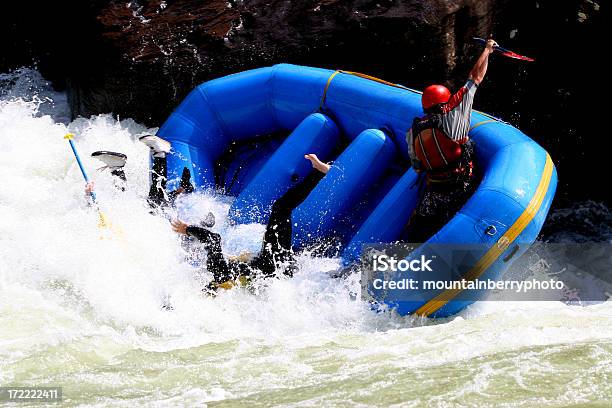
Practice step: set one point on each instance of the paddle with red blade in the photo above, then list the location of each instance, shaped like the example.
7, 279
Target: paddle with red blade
504, 51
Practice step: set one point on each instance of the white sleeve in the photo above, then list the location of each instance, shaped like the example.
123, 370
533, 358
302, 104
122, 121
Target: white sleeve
456, 122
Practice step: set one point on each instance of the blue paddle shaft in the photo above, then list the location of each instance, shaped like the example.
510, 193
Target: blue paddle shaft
484, 42
83, 172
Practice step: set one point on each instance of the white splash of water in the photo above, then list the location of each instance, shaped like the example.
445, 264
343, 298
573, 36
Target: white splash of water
95, 304
52, 242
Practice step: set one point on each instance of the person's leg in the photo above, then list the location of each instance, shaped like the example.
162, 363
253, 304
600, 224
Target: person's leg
215, 261
426, 220
279, 229
440, 203
157, 191
277, 248
158, 197
185, 186
115, 162
119, 173
159, 173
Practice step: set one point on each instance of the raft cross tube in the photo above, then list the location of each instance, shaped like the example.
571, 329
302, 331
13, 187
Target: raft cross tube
387, 221
351, 176
287, 167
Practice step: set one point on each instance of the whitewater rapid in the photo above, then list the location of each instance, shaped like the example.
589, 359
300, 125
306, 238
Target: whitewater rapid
86, 313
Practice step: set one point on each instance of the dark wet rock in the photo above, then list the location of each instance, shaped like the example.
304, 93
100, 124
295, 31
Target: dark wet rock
140, 58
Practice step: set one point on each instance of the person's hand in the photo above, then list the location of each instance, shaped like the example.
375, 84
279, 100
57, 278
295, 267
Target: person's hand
491, 44
179, 226
316, 163
89, 188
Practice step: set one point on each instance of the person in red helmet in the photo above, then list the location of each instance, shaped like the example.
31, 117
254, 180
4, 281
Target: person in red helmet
440, 148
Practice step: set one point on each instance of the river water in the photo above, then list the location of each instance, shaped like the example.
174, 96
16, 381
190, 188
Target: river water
83, 311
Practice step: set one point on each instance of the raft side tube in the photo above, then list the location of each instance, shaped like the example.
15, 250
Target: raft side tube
519, 181
215, 114
510, 180
197, 139
242, 104
355, 171
296, 92
194, 122
287, 167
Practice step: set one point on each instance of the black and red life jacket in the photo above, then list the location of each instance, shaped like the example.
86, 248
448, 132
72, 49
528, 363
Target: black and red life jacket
437, 152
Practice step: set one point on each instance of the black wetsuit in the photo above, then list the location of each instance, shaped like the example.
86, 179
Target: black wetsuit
159, 177
276, 250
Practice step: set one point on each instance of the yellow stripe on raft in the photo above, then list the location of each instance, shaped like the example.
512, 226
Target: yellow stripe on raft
502, 244
484, 122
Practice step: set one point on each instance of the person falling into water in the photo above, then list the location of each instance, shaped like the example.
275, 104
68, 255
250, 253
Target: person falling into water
276, 253
440, 148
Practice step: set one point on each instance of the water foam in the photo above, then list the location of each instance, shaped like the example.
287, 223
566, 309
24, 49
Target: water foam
72, 305
52, 242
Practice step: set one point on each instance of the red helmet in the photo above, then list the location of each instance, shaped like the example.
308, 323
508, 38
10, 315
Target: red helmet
435, 95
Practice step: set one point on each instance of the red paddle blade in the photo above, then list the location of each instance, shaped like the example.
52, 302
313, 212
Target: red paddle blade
514, 55
504, 51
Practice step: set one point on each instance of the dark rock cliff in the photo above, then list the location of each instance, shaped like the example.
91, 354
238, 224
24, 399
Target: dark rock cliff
140, 58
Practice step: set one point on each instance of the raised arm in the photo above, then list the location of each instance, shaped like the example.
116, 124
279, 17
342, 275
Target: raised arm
479, 71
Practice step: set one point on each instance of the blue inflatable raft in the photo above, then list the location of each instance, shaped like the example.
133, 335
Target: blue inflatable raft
246, 134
